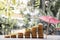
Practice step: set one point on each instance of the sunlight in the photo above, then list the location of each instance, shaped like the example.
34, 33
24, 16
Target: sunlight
24, 1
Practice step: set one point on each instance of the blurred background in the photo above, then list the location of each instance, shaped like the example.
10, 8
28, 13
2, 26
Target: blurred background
20, 14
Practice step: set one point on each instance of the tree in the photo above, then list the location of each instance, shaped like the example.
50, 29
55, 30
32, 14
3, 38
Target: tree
55, 5
58, 14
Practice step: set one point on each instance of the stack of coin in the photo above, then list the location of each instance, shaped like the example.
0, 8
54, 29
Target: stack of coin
40, 31
13, 35
20, 35
7, 36
27, 33
34, 32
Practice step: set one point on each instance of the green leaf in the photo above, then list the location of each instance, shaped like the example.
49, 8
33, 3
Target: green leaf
13, 2
2, 5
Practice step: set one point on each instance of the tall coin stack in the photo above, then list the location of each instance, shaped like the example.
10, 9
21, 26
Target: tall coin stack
34, 32
40, 31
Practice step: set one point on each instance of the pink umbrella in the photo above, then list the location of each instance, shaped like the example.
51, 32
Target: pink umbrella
49, 19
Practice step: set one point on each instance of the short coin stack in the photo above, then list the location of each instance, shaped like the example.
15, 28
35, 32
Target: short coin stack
20, 35
27, 33
13, 35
